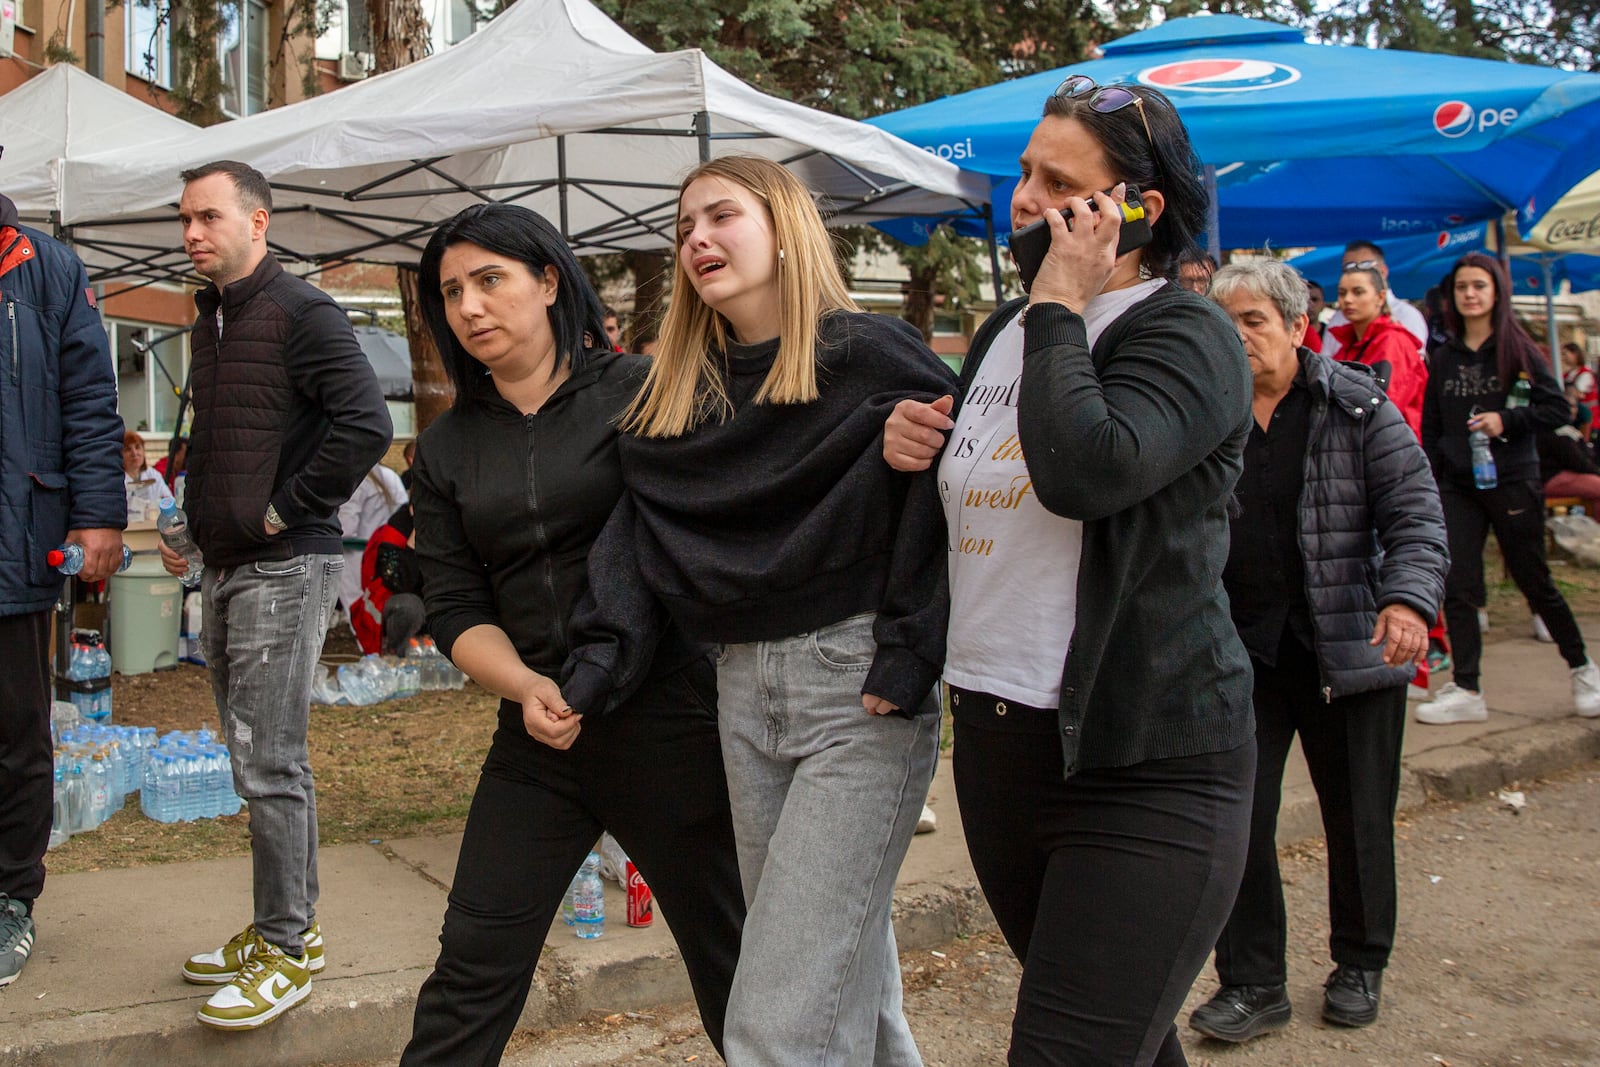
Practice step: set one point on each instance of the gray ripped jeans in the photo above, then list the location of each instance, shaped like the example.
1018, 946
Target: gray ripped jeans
262, 633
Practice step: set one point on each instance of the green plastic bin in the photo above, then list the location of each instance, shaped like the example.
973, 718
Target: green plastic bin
146, 606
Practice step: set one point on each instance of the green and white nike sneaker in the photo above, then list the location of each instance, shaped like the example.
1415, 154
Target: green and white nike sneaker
268, 985
220, 965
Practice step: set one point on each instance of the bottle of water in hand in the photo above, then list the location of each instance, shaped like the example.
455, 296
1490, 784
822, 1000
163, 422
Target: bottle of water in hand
1484, 474
68, 558
588, 900
173, 524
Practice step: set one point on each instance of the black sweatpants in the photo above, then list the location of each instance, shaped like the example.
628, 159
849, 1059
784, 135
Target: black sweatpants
1110, 886
27, 768
1515, 512
649, 772
1352, 747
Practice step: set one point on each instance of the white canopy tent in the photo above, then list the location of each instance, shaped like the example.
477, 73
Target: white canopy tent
65, 113
551, 105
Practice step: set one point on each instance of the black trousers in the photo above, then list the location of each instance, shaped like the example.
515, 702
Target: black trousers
651, 773
1352, 747
1515, 512
1110, 886
27, 768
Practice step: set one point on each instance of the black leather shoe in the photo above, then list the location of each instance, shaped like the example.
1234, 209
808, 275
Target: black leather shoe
1240, 1012
1352, 996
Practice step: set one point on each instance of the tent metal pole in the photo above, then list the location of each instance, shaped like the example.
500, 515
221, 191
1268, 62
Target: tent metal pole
1501, 251
561, 183
1213, 215
994, 257
1550, 315
702, 133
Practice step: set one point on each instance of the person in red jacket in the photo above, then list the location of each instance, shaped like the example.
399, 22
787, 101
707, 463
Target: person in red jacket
1370, 336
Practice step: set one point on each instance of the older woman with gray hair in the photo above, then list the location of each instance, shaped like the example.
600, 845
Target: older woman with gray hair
1337, 561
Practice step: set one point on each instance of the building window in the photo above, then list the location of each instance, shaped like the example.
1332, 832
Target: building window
243, 47
148, 381
149, 44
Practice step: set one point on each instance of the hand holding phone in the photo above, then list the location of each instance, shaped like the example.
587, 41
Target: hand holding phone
1030, 244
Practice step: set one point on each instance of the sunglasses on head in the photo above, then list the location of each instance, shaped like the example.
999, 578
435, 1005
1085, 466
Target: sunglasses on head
1360, 264
1105, 99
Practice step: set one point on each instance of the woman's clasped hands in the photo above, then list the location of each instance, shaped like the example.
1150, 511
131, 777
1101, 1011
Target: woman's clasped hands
545, 715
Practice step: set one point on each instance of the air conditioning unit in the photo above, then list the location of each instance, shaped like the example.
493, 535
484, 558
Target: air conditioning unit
353, 66
8, 28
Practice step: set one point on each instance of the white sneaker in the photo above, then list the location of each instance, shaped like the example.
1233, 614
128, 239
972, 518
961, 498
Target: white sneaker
1454, 704
1417, 692
1483, 620
1586, 689
927, 822
1541, 632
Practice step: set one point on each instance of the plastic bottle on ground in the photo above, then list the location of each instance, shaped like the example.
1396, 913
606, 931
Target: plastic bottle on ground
60, 820
588, 901
173, 525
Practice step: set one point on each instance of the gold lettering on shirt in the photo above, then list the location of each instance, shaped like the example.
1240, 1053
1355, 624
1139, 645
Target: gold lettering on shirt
1009, 497
1008, 449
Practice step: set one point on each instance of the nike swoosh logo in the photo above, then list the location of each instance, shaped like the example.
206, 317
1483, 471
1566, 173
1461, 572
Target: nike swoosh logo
1515, 511
279, 987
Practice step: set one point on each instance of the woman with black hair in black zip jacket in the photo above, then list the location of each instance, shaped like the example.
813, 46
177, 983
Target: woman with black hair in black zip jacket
512, 486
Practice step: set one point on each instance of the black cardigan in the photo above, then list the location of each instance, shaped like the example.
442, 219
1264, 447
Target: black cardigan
779, 519
507, 506
1141, 440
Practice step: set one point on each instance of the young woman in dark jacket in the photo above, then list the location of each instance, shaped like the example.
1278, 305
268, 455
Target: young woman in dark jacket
1337, 559
1470, 387
1104, 743
760, 515
512, 486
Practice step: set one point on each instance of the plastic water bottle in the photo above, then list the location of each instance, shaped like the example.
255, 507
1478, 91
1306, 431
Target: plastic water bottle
569, 911
357, 682
408, 677
169, 789
173, 525
1521, 394
232, 802
60, 819
68, 558
97, 665
194, 785
1484, 474
99, 779
588, 901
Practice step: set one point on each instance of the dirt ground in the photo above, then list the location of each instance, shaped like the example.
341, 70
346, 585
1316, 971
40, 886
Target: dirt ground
1497, 962
396, 769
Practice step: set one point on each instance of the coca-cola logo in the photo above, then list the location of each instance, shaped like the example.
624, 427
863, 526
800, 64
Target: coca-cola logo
1573, 230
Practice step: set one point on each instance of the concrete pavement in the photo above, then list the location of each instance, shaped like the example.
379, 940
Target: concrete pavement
103, 986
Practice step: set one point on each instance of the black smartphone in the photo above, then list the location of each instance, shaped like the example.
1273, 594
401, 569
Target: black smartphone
1029, 244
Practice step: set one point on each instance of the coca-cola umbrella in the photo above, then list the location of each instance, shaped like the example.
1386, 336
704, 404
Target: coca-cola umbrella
1312, 144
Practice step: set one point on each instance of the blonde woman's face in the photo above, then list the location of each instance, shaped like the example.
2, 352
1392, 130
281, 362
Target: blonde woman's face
727, 246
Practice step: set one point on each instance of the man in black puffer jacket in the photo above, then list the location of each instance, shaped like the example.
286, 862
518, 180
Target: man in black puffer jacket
288, 418
1337, 561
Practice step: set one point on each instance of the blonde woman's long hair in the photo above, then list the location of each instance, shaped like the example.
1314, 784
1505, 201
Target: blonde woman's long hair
685, 386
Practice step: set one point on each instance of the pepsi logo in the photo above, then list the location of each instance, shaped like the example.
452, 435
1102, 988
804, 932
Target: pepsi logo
1219, 76
1444, 239
1454, 118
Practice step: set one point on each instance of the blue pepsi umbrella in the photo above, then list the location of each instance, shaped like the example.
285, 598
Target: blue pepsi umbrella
1313, 144
1418, 262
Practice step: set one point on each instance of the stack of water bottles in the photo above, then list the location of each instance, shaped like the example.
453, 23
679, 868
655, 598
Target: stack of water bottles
89, 674
188, 776
96, 767
376, 678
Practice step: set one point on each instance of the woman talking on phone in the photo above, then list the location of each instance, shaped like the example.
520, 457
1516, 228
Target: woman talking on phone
1104, 740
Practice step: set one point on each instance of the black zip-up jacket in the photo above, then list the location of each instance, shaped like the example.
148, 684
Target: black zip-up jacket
287, 411
507, 506
779, 519
1459, 380
1141, 440
1371, 527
